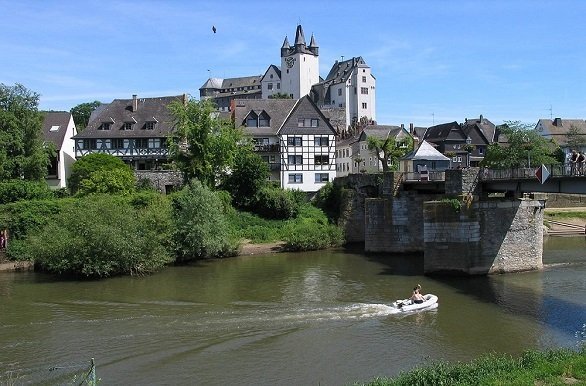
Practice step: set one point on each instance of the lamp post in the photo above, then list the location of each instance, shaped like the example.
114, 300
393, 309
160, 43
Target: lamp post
468, 149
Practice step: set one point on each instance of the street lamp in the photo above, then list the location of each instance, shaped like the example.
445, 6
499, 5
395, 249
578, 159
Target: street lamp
468, 149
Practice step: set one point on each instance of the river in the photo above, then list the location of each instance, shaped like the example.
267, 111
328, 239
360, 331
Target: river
281, 319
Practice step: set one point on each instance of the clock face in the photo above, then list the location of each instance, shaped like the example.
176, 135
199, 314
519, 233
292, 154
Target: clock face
290, 62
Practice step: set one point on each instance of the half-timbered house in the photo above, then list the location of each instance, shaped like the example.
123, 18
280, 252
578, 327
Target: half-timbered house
294, 137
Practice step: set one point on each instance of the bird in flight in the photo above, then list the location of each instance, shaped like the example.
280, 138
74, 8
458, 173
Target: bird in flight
214, 29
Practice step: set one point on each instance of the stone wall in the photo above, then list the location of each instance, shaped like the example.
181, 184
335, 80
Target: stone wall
463, 182
489, 237
561, 200
164, 181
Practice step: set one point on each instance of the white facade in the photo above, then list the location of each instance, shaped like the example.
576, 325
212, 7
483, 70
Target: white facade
59, 128
308, 161
271, 82
299, 72
66, 154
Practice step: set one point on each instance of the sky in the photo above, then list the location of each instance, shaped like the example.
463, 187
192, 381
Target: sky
434, 61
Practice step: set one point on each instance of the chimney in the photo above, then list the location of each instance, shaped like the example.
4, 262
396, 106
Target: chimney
557, 122
134, 103
481, 118
411, 128
402, 126
184, 99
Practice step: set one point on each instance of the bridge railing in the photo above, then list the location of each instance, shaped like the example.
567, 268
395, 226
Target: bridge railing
525, 173
429, 176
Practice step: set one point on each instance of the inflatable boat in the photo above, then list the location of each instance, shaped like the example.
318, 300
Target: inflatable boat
407, 305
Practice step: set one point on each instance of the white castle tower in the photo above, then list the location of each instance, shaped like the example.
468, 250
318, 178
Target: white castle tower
299, 65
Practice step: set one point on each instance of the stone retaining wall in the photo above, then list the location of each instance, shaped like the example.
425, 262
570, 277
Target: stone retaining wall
164, 181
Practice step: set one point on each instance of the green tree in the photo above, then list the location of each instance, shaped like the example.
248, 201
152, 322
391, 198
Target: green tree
389, 150
82, 112
201, 229
117, 181
83, 168
23, 153
280, 95
575, 138
248, 176
524, 147
202, 145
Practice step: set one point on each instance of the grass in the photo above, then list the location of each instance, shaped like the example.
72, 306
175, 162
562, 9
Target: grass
564, 214
552, 367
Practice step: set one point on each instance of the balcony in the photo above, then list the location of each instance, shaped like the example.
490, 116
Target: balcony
268, 148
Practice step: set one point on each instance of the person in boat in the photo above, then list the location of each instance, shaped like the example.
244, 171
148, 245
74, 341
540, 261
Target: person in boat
416, 297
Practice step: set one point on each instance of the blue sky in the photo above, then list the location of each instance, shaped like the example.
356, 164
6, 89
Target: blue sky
434, 61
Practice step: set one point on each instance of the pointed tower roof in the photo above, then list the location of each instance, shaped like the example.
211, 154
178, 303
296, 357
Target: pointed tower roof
312, 42
286, 43
299, 37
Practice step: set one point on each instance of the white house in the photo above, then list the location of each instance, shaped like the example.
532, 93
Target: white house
59, 129
297, 133
558, 129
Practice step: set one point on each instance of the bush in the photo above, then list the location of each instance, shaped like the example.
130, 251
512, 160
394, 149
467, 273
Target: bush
18, 190
312, 231
276, 203
201, 229
26, 217
101, 237
84, 167
116, 181
328, 199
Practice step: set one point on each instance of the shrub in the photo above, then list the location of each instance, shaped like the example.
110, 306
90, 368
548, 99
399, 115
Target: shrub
101, 237
312, 231
116, 181
25, 217
200, 226
18, 190
328, 199
84, 167
276, 203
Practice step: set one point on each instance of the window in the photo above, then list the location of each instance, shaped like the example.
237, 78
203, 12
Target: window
364, 90
271, 76
321, 159
141, 143
364, 105
252, 120
54, 128
80, 144
263, 120
454, 159
307, 122
154, 143
320, 141
103, 144
150, 125
364, 79
127, 126
295, 178
270, 86
294, 141
105, 126
295, 159
118, 143
321, 177
480, 150
339, 92
260, 141
459, 158
278, 86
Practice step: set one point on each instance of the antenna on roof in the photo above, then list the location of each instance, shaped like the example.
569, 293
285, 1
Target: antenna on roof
433, 119
550, 113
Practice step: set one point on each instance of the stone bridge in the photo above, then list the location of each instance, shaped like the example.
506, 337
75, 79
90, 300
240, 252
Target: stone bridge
456, 224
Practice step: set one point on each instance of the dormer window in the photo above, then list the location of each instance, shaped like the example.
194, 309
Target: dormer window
127, 126
150, 125
264, 120
105, 126
252, 119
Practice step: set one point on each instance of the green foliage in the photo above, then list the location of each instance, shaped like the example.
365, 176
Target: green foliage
575, 138
26, 217
276, 203
523, 145
455, 203
100, 237
117, 181
311, 230
249, 175
246, 225
16, 190
83, 169
202, 146
82, 112
328, 199
22, 150
280, 95
200, 227
549, 367
389, 150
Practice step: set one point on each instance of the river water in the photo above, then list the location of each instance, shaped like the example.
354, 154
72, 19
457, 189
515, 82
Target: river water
281, 319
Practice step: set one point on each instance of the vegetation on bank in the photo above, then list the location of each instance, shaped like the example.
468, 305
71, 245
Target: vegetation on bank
553, 214
552, 367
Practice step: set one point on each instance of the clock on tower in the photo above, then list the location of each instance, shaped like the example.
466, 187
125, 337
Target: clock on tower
290, 62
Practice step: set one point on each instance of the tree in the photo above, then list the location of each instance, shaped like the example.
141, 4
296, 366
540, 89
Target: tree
524, 147
202, 145
82, 112
23, 153
102, 164
280, 95
248, 176
388, 150
575, 138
